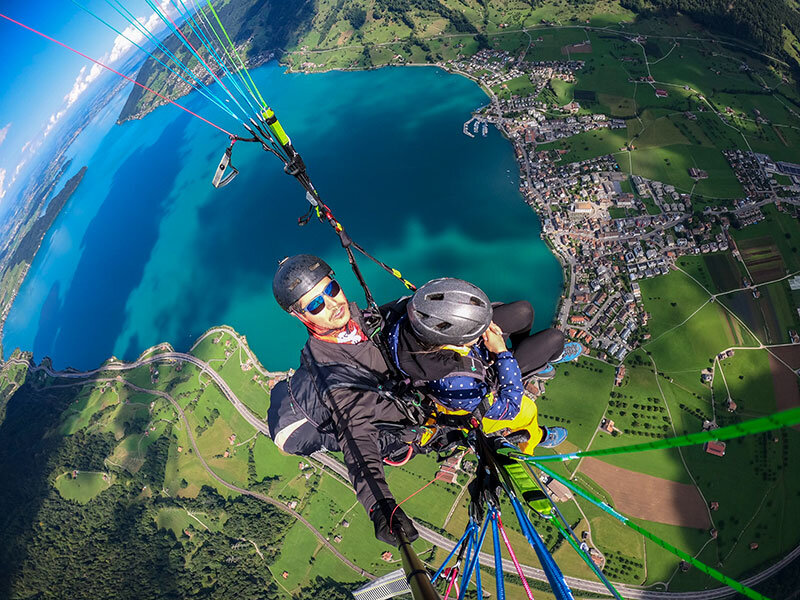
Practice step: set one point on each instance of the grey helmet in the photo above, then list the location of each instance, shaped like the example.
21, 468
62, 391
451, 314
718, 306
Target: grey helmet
297, 275
449, 311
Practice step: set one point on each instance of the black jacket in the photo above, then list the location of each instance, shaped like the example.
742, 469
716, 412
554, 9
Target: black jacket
355, 414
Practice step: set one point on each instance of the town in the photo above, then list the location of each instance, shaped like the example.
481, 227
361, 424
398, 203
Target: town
608, 228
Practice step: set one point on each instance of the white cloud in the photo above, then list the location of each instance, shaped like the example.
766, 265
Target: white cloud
121, 46
4, 133
88, 75
2, 181
19, 167
54, 119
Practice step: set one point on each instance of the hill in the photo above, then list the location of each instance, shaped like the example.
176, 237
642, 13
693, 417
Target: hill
367, 33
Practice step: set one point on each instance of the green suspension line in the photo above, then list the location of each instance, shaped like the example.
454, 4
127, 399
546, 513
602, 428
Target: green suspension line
241, 62
786, 418
702, 567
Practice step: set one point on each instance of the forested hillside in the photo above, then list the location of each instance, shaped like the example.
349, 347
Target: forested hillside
258, 28
113, 546
763, 23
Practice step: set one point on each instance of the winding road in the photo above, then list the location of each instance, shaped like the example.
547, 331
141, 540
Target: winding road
169, 355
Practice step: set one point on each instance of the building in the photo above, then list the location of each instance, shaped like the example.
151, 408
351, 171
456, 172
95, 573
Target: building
559, 491
661, 93
607, 425
387, 556
448, 472
620, 375
715, 448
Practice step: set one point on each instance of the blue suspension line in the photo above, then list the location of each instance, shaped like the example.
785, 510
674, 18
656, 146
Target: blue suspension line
449, 556
575, 542
210, 97
189, 19
473, 560
154, 40
498, 556
187, 45
554, 575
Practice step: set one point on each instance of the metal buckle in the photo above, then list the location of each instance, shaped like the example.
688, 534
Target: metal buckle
225, 172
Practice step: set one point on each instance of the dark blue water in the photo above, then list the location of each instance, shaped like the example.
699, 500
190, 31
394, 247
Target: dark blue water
147, 251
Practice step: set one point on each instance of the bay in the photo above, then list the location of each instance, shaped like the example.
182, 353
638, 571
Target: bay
147, 251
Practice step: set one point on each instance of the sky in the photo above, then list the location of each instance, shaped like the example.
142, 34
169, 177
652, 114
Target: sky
42, 81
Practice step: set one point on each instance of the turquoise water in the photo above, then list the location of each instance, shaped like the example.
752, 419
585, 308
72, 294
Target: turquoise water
148, 251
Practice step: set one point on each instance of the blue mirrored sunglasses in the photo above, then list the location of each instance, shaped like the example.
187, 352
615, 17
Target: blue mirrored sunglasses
318, 302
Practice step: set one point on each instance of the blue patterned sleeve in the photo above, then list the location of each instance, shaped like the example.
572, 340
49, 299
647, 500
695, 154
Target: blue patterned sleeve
510, 388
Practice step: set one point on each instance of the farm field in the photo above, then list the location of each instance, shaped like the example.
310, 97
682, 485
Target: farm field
763, 259
781, 228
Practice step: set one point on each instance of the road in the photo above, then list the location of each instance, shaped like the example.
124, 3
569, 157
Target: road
279, 505
634, 593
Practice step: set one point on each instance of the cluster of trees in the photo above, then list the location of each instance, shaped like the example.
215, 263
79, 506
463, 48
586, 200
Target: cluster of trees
757, 21
356, 15
400, 9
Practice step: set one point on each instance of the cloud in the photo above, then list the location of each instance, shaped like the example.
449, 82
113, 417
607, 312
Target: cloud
19, 167
4, 133
54, 119
2, 181
122, 45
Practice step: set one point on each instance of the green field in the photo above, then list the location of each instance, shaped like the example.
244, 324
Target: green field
567, 403
84, 487
590, 144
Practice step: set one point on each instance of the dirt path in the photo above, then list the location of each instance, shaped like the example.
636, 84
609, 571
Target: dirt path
647, 497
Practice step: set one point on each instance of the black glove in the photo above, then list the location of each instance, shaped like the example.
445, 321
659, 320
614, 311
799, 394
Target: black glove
381, 515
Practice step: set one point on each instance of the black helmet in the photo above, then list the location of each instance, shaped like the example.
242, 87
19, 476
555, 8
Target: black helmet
449, 311
296, 275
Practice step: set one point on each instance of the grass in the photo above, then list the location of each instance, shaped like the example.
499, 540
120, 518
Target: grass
670, 300
750, 382
567, 403
661, 564
671, 164
90, 401
780, 301
609, 535
552, 43
408, 479
693, 345
85, 487
701, 268
271, 462
297, 556
176, 520
640, 387
589, 144
563, 90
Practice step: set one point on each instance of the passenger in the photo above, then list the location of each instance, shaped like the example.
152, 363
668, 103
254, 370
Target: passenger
350, 370
452, 338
